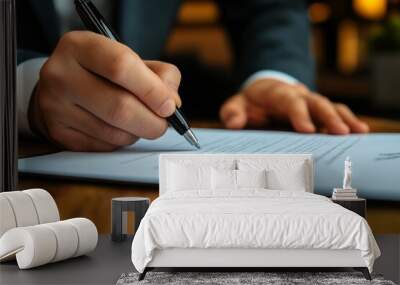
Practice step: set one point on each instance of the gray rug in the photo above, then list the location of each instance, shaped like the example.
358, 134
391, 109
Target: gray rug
232, 278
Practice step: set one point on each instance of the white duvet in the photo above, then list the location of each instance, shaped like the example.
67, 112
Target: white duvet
251, 219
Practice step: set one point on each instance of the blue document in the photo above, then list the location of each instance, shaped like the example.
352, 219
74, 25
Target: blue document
375, 158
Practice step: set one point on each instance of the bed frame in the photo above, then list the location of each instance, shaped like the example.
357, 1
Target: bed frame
248, 259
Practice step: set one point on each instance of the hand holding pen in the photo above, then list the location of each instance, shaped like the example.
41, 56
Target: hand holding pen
95, 22
96, 94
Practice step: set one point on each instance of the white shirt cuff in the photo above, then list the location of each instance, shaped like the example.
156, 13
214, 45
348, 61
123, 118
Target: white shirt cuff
27, 77
274, 74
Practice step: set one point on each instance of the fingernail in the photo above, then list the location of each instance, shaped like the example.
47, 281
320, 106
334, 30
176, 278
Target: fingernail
309, 127
167, 108
365, 127
178, 101
233, 122
344, 129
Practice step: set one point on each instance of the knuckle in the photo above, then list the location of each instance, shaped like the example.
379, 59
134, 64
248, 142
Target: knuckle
253, 93
69, 39
253, 88
150, 93
302, 90
295, 106
260, 87
119, 112
323, 99
50, 71
279, 86
321, 102
300, 85
284, 89
120, 64
341, 107
295, 101
289, 95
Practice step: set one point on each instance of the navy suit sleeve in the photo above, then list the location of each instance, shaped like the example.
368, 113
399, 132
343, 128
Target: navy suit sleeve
38, 29
269, 34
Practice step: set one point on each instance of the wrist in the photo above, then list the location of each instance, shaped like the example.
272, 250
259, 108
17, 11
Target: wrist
35, 119
27, 78
269, 74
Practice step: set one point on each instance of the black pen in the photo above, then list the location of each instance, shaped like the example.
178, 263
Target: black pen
95, 22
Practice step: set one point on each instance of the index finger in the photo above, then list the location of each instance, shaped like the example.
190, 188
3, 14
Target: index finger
325, 112
119, 64
169, 74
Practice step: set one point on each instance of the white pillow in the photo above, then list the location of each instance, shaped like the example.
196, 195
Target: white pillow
282, 174
251, 178
226, 179
294, 179
223, 179
184, 178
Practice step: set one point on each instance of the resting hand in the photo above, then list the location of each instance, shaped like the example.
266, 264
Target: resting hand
269, 98
95, 94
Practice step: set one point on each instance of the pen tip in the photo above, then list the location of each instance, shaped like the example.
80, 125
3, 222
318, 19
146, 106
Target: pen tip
191, 138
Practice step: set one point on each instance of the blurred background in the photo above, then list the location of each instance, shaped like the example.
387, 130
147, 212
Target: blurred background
356, 44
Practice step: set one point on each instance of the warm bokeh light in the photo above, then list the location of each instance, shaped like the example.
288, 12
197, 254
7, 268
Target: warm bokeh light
348, 47
210, 44
319, 12
198, 12
370, 9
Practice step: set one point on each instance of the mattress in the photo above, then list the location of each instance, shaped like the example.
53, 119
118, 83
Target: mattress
251, 219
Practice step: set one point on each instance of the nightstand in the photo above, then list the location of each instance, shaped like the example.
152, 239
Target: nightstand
358, 206
119, 208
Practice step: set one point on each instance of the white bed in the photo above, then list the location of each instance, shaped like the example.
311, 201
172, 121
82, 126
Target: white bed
194, 223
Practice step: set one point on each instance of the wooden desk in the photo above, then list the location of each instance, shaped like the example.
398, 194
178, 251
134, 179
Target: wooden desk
93, 199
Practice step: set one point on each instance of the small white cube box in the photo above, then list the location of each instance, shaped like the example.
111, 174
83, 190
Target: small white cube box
230, 172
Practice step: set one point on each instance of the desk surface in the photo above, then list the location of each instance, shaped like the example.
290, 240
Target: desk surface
106, 264
92, 199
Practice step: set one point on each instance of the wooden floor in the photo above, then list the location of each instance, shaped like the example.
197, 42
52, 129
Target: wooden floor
93, 199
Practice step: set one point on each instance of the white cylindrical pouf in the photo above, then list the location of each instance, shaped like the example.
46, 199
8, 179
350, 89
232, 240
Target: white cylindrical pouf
23, 208
45, 205
67, 239
7, 218
87, 235
34, 245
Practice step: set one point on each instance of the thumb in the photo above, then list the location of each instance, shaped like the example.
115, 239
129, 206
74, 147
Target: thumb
233, 112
